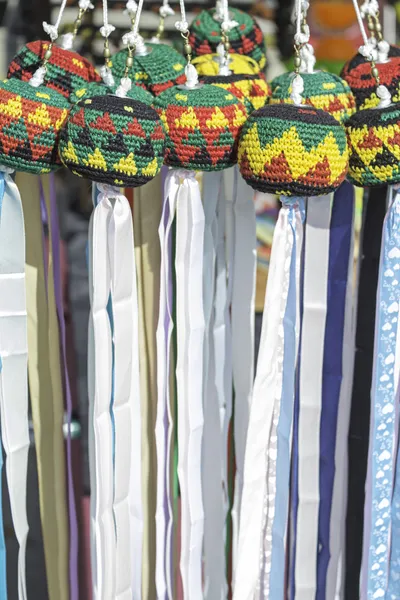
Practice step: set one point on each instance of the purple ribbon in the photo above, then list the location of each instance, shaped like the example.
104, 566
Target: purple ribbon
73, 524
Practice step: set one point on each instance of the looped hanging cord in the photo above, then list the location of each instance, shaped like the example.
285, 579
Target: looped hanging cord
299, 40
52, 31
106, 30
367, 50
132, 39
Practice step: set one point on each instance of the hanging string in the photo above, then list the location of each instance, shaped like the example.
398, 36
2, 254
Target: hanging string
68, 38
106, 30
192, 78
133, 40
52, 31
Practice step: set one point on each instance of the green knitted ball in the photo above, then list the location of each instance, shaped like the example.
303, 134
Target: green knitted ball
247, 38
30, 123
100, 89
161, 68
118, 141
321, 90
202, 127
293, 150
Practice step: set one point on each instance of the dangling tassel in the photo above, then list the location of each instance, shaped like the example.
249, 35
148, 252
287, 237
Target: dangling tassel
189, 372
272, 384
243, 311
212, 461
14, 360
316, 262
100, 388
338, 363
378, 532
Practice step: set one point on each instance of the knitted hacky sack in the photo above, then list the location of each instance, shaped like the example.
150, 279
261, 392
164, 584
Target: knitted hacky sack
359, 59
374, 146
293, 150
202, 126
321, 90
209, 64
252, 90
363, 85
100, 89
66, 70
30, 123
113, 140
245, 39
162, 68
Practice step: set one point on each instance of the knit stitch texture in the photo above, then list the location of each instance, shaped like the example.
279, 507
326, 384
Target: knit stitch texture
66, 70
113, 140
202, 127
359, 59
363, 85
252, 90
293, 150
100, 89
30, 123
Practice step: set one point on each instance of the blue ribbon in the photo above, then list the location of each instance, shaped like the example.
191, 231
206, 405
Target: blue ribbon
3, 573
339, 255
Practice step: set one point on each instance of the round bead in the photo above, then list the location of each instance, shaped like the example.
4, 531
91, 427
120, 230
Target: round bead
322, 90
187, 49
378, 27
129, 61
374, 72
30, 128
78, 22
293, 150
65, 71
112, 140
297, 61
106, 52
47, 55
373, 138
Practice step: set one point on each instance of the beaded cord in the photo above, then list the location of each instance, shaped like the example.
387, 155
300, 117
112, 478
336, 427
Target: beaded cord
100, 89
363, 84
208, 64
30, 124
246, 39
252, 90
202, 127
293, 150
66, 70
359, 59
374, 145
322, 90
161, 68
113, 140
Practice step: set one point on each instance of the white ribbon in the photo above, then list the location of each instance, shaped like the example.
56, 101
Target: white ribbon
163, 431
243, 311
267, 388
313, 334
215, 585
189, 374
14, 357
100, 425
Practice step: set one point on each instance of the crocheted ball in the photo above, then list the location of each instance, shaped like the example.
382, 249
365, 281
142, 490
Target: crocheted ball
100, 89
245, 39
363, 85
208, 64
374, 146
359, 59
30, 123
66, 70
202, 126
252, 90
293, 150
162, 68
113, 140
321, 90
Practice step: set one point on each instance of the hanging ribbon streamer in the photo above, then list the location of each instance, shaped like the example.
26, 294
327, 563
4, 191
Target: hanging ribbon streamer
383, 433
342, 234
310, 393
268, 388
14, 360
243, 311
214, 466
189, 372
340, 238
57, 340
100, 385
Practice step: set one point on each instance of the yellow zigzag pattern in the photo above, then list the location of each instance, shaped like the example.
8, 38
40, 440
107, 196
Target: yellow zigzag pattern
323, 101
300, 160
